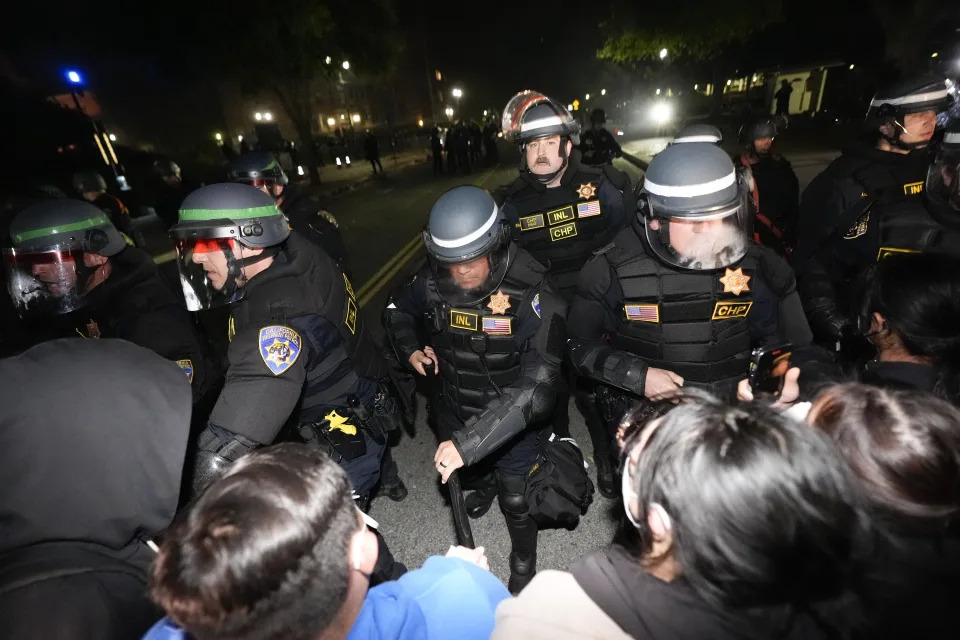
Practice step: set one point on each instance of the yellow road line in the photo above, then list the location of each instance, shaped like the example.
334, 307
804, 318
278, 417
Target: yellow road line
383, 277
165, 257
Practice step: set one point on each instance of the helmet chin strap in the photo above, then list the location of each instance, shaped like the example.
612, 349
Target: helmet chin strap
235, 266
897, 142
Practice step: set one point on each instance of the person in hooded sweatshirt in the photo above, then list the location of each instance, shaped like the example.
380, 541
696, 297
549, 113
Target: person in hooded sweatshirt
747, 527
85, 483
276, 550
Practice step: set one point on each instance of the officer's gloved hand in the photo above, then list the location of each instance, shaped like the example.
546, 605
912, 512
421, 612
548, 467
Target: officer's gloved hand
660, 384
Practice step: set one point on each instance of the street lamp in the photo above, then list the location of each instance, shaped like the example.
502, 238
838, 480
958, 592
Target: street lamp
420, 122
587, 96
449, 112
356, 117
346, 65
331, 121
658, 91
484, 113
239, 138
603, 92
327, 60
569, 107
663, 53
218, 137
457, 93
258, 116
113, 138
268, 116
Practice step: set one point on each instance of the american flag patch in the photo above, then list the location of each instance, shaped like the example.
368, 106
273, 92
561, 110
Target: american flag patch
642, 312
587, 209
498, 326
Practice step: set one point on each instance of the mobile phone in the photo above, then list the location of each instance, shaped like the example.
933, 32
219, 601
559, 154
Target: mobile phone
768, 368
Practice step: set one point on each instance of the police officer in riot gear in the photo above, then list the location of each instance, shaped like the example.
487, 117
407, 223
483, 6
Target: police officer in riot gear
495, 334
699, 133
942, 189
562, 211
72, 274
869, 203
682, 296
306, 216
92, 188
776, 191
172, 189
298, 349
598, 145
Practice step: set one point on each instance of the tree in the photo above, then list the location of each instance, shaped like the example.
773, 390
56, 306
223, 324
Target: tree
701, 30
283, 49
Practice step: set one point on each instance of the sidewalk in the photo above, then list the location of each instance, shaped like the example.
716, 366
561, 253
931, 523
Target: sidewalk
334, 181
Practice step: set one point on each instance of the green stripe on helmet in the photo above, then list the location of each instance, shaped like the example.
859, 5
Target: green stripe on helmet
189, 215
60, 228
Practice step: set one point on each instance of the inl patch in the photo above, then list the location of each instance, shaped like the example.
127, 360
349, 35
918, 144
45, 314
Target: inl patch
279, 348
560, 215
563, 232
913, 188
886, 252
463, 320
725, 310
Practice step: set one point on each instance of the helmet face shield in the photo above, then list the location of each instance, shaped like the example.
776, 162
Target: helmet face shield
523, 120
208, 271
702, 243
46, 282
942, 188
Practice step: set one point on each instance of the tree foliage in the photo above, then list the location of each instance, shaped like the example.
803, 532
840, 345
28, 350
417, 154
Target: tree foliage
699, 29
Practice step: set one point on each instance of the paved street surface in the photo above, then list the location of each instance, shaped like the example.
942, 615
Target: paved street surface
381, 219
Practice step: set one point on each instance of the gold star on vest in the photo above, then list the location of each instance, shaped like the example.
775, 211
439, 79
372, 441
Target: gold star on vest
499, 303
587, 190
735, 282
93, 330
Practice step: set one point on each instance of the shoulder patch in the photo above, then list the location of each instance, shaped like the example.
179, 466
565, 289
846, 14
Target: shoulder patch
535, 303
187, 366
279, 347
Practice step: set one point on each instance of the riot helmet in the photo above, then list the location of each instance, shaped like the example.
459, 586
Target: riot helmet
167, 170
894, 102
531, 116
219, 225
762, 128
942, 189
465, 226
49, 270
598, 116
699, 133
259, 169
89, 182
693, 207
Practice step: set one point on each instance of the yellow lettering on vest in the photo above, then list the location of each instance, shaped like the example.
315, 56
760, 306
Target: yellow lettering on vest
463, 320
560, 215
725, 310
912, 188
563, 232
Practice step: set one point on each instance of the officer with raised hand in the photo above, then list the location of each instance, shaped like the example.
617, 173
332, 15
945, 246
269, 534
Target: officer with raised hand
598, 145
71, 274
495, 333
869, 203
262, 170
563, 211
299, 351
682, 296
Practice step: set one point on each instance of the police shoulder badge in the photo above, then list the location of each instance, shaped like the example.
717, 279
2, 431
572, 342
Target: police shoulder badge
279, 348
735, 282
499, 302
535, 303
187, 366
586, 190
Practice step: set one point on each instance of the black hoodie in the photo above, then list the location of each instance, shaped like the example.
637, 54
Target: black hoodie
92, 440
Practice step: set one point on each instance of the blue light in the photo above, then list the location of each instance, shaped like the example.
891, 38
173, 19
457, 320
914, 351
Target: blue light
73, 76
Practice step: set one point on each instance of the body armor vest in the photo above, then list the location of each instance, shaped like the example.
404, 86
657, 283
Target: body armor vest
689, 322
562, 227
479, 350
309, 293
898, 222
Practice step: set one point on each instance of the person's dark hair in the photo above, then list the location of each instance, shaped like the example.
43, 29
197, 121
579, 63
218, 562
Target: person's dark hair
263, 553
765, 514
919, 296
905, 448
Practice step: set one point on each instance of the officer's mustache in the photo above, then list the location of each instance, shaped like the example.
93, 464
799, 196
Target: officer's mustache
542, 160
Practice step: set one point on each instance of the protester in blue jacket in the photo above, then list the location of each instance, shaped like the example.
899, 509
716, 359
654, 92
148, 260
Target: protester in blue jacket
275, 549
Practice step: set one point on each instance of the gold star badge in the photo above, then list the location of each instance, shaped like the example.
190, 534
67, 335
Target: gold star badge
735, 282
499, 303
587, 190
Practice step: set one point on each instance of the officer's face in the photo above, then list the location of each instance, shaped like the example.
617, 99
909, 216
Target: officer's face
543, 156
918, 127
470, 275
762, 145
211, 257
59, 277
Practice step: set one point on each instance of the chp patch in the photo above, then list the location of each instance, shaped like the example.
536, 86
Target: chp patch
187, 366
886, 252
279, 348
535, 303
724, 310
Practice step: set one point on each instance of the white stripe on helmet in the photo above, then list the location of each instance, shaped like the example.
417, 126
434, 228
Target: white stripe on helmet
470, 237
690, 190
940, 94
541, 123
